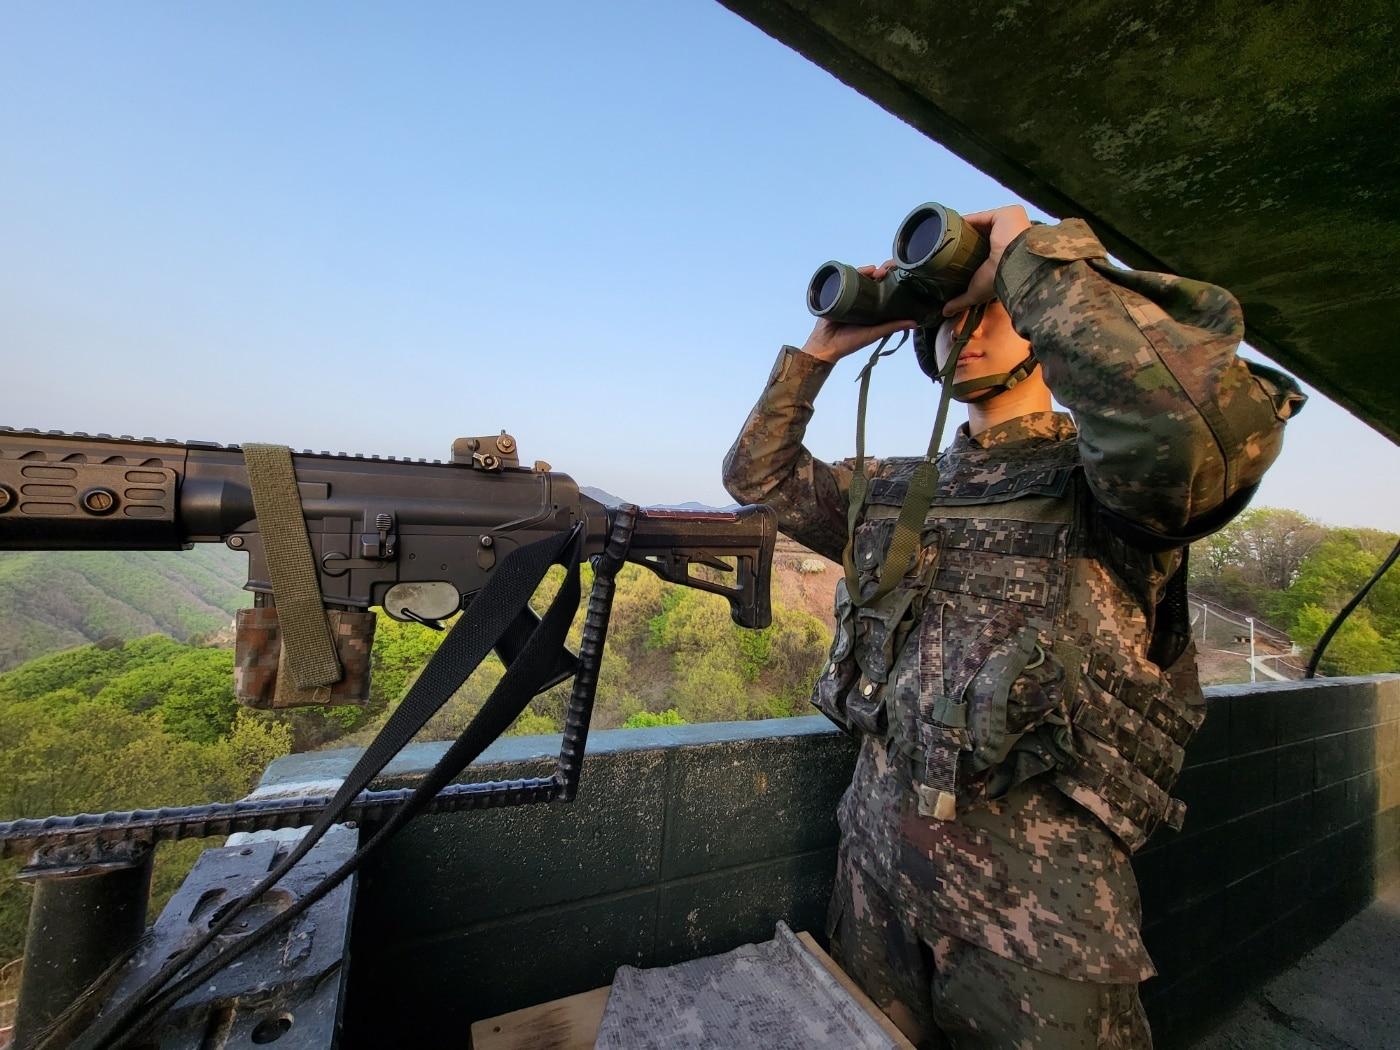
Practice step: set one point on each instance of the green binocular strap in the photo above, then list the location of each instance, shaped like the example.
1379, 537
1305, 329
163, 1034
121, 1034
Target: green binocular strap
923, 482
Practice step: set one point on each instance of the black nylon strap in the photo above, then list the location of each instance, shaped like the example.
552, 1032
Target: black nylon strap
473, 636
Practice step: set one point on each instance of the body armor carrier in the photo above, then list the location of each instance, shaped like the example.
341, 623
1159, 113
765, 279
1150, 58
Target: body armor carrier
1013, 647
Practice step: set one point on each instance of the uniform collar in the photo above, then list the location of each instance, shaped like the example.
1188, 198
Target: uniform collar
1037, 427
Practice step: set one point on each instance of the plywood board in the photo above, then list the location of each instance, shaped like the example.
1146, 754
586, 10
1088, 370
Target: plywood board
570, 1023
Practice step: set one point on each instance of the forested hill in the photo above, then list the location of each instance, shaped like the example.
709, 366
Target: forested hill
56, 599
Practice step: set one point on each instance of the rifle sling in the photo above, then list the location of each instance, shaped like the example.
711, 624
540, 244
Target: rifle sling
308, 647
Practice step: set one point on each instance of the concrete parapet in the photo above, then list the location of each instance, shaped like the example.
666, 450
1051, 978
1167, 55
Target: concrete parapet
691, 840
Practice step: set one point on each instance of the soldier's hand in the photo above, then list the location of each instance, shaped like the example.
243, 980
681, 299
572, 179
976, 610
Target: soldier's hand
1000, 226
830, 341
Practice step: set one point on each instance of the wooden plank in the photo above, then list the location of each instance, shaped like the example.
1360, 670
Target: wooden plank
563, 1024
855, 992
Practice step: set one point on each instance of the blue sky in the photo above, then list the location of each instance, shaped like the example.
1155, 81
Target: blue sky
375, 228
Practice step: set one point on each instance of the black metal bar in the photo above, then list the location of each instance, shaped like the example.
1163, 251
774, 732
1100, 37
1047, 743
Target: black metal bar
590, 651
89, 909
18, 837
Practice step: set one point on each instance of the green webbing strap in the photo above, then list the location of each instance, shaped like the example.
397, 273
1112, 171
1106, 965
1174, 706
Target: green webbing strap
860, 484
923, 482
301, 615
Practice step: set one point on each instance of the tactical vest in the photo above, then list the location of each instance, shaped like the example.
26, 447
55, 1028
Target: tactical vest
1017, 645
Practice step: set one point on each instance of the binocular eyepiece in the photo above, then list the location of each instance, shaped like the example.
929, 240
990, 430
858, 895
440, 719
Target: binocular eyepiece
935, 254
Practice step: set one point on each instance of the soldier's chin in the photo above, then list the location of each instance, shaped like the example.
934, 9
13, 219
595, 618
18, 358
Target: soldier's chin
978, 396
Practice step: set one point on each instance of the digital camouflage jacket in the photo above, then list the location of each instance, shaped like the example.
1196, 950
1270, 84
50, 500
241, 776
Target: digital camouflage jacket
1026, 693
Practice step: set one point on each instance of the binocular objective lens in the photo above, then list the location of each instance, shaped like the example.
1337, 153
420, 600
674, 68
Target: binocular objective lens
828, 289
922, 240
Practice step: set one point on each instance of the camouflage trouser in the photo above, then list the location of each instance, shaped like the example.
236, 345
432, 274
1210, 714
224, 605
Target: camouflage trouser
964, 997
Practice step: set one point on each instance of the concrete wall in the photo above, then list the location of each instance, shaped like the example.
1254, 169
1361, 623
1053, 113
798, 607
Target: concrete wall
692, 840
683, 842
1294, 822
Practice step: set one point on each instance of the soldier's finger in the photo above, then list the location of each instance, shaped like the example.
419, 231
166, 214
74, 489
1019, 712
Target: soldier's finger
982, 220
979, 290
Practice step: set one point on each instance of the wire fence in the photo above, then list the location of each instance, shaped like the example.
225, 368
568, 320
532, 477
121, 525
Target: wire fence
1221, 630
1203, 610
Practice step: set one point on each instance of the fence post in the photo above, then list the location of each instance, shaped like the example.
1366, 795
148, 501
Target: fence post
89, 907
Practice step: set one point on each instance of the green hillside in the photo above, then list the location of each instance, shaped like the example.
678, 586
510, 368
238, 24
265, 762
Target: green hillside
152, 721
53, 600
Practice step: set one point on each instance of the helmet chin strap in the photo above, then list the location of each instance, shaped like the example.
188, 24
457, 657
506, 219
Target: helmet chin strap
997, 383
984, 386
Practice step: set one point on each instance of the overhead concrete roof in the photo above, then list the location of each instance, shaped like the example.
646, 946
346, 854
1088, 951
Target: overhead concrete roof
1257, 146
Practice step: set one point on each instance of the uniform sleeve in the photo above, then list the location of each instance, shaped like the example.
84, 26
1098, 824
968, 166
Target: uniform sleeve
768, 463
1173, 425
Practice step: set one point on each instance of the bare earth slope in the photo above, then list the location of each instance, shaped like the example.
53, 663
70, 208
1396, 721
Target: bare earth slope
804, 580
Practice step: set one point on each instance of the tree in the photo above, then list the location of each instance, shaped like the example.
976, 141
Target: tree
1337, 569
89, 756
191, 690
654, 719
1214, 554
1278, 541
1356, 648
1261, 550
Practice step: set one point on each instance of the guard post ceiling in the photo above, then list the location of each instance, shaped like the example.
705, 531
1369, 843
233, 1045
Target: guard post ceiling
1250, 145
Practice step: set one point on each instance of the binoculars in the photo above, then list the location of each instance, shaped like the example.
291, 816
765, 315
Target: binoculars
935, 254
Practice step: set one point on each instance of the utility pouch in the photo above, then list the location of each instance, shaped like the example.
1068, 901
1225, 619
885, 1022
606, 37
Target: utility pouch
834, 683
988, 697
883, 628
965, 728
865, 708
868, 550
260, 677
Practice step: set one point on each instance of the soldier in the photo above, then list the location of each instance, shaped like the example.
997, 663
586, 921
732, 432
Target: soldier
1024, 687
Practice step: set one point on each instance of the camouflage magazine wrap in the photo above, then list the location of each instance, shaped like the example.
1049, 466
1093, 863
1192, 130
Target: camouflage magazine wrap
259, 676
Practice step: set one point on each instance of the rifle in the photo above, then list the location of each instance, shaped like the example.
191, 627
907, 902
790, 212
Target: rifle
385, 531
328, 537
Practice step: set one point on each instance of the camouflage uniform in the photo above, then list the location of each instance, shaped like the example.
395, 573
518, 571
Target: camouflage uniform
1024, 696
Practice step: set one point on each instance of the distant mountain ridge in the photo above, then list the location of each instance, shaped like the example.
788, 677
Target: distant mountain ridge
52, 600
609, 500
604, 497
